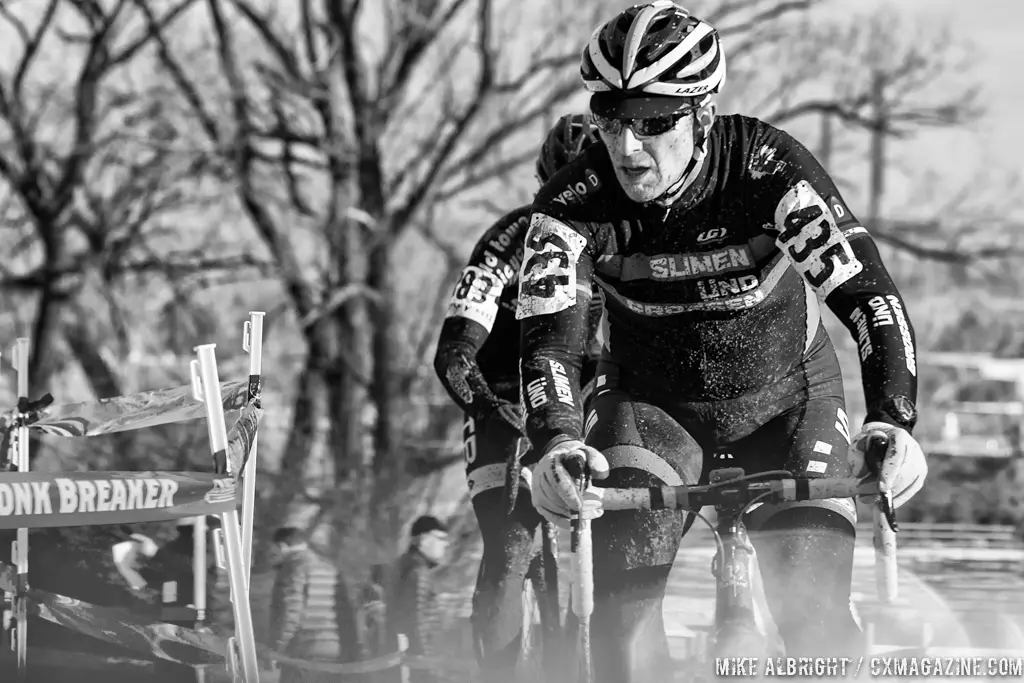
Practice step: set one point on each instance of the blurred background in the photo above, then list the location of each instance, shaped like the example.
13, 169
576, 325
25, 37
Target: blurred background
168, 166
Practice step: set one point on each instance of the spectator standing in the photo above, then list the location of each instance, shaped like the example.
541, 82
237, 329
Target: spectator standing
168, 571
373, 607
311, 616
413, 607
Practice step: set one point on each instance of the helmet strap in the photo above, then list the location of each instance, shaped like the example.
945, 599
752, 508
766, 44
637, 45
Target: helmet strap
703, 119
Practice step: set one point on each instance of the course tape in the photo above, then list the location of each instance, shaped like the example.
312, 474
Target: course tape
120, 627
242, 435
134, 411
67, 659
48, 499
185, 645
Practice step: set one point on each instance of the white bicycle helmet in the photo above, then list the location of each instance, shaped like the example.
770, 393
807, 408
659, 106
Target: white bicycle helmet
656, 62
652, 60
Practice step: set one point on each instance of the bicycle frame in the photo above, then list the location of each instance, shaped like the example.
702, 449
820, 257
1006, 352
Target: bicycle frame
737, 588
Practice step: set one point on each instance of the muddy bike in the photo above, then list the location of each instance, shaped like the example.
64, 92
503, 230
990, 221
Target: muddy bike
546, 629
732, 493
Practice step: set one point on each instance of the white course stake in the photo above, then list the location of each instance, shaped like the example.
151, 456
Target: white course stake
206, 387
19, 603
252, 341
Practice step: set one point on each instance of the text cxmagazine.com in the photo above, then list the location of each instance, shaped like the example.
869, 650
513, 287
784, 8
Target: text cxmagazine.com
875, 667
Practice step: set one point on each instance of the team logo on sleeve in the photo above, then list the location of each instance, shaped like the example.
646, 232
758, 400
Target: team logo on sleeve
547, 283
808, 234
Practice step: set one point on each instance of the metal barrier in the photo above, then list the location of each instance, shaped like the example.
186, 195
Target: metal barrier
952, 535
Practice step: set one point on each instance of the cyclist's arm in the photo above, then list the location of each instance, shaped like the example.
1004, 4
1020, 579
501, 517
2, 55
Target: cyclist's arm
456, 366
472, 309
595, 338
554, 307
839, 259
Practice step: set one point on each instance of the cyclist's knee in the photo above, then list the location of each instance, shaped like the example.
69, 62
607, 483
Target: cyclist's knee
818, 541
629, 630
640, 586
806, 559
501, 530
630, 539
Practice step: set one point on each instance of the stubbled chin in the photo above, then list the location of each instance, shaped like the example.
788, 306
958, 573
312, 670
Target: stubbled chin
637, 191
637, 188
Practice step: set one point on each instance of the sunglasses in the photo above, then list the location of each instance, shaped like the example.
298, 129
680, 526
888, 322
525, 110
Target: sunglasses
643, 128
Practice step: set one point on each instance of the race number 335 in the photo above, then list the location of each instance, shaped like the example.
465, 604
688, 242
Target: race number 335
548, 278
812, 240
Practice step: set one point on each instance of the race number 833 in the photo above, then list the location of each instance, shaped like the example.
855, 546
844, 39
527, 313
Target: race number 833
474, 285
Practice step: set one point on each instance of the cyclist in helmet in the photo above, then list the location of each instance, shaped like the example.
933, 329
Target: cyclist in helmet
477, 361
714, 240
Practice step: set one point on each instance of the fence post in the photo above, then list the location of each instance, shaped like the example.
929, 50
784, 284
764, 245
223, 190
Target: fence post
926, 636
403, 647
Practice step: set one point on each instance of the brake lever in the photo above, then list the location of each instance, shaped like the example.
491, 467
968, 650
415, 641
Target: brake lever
577, 468
874, 454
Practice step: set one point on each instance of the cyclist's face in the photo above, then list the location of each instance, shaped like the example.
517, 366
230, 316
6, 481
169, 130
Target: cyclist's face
647, 166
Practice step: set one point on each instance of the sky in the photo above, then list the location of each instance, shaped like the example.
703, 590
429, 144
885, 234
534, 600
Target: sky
996, 143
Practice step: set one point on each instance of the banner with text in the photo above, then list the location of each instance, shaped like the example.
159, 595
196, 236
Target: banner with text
44, 499
135, 411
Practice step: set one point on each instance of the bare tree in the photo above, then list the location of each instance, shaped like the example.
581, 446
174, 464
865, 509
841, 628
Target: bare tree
92, 184
346, 120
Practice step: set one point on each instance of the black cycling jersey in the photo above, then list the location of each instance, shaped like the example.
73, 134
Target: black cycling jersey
714, 297
477, 357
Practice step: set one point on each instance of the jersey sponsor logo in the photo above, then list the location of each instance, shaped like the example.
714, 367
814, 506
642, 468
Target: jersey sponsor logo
908, 343
505, 271
768, 282
878, 315
712, 235
809, 236
719, 288
860, 322
881, 315
838, 210
577, 190
764, 163
536, 392
560, 380
547, 283
504, 239
469, 440
737, 304
670, 267
505, 252
475, 296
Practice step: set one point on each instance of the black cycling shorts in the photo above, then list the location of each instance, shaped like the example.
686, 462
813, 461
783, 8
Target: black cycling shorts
798, 424
487, 444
